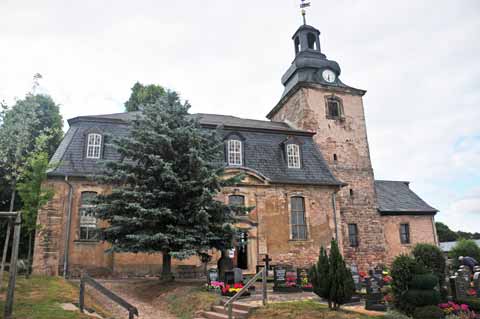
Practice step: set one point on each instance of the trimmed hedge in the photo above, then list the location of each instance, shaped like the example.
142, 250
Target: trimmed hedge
428, 312
424, 282
420, 298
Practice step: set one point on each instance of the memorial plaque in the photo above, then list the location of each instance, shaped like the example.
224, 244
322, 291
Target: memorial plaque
212, 275
285, 279
279, 276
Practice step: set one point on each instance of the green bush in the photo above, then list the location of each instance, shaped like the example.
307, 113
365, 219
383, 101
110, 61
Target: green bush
424, 281
419, 298
472, 302
465, 248
432, 258
392, 314
428, 312
402, 272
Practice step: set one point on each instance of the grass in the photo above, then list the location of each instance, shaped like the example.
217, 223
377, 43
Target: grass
303, 309
185, 301
41, 297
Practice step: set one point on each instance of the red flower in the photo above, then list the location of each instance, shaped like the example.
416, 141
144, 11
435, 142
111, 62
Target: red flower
238, 285
225, 289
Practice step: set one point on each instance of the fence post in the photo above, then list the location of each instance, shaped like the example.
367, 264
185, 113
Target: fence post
81, 303
264, 286
13, 267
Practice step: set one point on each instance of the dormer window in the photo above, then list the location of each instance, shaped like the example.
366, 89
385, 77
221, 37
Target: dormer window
94, 145
234, 152
334, 108
293, 156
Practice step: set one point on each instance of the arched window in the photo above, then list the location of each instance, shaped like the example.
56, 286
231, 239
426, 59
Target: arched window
334, 108
297, 45
88, 221
94, 145
311, 39
238, 204
234, 152
293, 156
299, 224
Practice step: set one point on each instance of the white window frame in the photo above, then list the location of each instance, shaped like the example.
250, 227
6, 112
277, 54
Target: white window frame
293, 155
88, 220
94, 145
298, 220
234, 152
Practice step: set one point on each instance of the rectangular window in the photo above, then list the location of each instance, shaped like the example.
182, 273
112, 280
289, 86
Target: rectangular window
293, 156
94, 145
334, 109
405, 233
353, 235
88, 221
234, 149
299, 225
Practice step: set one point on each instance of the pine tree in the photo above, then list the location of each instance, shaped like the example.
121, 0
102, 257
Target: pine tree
341, 280
319, 275
163, 197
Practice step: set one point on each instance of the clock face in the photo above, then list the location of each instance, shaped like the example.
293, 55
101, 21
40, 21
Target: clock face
329, 76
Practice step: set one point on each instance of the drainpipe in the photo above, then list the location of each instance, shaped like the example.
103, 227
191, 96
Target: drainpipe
69, 224
334, 205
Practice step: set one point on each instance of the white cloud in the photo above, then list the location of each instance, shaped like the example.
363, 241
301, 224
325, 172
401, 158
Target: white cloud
417, 59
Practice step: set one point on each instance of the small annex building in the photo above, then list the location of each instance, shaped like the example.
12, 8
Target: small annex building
309, 177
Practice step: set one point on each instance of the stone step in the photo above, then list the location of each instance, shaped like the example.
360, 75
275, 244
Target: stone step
238, 313
241, 305
214, 315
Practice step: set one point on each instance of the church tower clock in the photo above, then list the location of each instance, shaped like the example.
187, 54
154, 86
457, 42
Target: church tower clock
315, 99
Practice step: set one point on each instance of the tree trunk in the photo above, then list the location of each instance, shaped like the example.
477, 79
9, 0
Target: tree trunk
167, 267
29, 258
4, 256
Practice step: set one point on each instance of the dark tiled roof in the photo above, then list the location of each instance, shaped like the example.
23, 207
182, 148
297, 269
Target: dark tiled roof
396, 198
263, 147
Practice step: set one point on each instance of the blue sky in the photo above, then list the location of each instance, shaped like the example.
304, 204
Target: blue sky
418, 60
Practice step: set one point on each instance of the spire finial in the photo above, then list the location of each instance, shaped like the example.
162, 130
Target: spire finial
304, 5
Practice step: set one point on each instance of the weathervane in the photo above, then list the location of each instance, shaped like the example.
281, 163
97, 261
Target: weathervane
304, 5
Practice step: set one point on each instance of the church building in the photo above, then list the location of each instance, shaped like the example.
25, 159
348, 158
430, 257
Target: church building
308, 173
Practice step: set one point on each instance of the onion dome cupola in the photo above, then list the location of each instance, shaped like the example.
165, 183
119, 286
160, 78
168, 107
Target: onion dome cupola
310, 64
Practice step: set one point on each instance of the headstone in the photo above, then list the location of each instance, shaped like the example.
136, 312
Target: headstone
224, 264
460, 286
238, 275
285, 279
476, 283
356, 277
212, 275
279, 276
229, 278
465, 272
374, 299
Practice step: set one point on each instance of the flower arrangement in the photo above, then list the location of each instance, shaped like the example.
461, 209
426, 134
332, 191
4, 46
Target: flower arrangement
471, 292
462, 311
291, 282
229, 290
214, 285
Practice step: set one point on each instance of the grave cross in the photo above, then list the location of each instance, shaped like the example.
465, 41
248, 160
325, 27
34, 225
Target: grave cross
267, 261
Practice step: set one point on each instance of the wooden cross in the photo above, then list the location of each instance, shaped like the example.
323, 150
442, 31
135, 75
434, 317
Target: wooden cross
267, 261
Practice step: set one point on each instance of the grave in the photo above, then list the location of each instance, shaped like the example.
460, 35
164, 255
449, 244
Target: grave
459, 286
229, 277
303, 279
237, 275
285, 279
375, 300
476, 283
212, 275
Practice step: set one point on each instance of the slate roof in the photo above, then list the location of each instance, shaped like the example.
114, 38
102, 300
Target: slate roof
263, 147
396, 198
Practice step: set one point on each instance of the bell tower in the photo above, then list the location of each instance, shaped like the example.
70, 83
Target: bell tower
315, 99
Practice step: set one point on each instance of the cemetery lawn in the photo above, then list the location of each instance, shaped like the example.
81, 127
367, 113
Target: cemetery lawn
41, 297
303, 309
183, 303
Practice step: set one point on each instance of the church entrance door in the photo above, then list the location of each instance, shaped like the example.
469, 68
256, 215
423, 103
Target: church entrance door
241, 250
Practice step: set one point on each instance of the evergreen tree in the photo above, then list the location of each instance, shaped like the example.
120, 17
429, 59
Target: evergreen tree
319, 275
142, 95
164, 189
341, 280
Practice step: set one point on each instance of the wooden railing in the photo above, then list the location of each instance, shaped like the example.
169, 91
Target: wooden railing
86, 279
230, 301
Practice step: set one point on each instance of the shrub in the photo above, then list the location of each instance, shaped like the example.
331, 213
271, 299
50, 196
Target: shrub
424, 281
392, 314
419, 298
402, 272
331, 278
428, 312
465, 248
432, 258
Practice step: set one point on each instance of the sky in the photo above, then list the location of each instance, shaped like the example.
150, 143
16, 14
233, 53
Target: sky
418, 61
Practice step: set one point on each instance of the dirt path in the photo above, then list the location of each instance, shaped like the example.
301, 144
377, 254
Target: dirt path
145, 294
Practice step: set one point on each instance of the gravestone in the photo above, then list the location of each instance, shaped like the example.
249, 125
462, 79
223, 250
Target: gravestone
356, 278
459, 286
212, 275
374, 299
285, 279
476, 283
465, 272
229, 277
238, 275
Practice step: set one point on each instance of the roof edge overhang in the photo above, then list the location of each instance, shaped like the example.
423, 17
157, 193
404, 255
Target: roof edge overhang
95, 119
304, 84
407, 213
263, 130
312, 183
